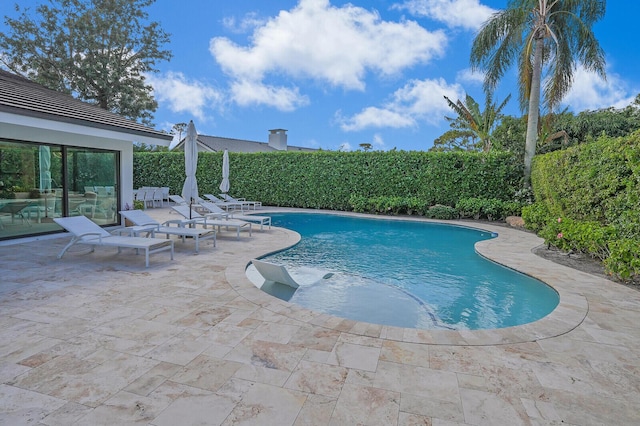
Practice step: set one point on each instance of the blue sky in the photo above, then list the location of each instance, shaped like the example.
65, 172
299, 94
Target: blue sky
336, 74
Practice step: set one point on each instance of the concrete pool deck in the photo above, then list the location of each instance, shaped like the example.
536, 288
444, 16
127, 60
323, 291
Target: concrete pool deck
97, 338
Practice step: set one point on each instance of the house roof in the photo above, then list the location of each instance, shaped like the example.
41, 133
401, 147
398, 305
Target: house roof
218, 144
22, 96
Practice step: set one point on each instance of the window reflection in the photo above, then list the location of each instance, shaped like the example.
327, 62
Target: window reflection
41, 182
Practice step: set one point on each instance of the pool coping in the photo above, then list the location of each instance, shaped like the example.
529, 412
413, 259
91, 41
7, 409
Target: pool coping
512, 248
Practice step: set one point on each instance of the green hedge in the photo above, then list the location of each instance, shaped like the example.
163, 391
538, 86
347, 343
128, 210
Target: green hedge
588, 200
328, 179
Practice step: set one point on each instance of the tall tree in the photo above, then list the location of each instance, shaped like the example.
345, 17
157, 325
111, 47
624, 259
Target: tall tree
97, 50
177, 129
544, 35
472, 128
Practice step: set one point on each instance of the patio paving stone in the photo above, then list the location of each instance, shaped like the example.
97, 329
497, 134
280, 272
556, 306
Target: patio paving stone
97, 338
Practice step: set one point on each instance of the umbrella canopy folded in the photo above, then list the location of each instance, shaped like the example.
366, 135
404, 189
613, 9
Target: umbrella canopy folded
190, 187
224, 185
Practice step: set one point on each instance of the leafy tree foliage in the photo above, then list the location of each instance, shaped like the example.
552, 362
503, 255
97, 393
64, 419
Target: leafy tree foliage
143, 147
97, 50
472, 128
177, 129
565, 129
549, 35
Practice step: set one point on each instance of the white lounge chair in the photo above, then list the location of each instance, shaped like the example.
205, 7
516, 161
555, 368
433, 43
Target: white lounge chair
192, 217
85, 231
177, 199
272, 272
216, 210
144, 223
225, 204
229, 199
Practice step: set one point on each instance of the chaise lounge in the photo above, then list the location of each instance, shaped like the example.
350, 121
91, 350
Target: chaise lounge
192, 217
226, 204
144, 223
216, 210
229, 199
85, 231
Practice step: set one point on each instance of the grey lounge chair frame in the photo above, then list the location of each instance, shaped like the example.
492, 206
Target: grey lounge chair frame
216, 210
195, 218
85, 231
226, 204
143, 222
229, 199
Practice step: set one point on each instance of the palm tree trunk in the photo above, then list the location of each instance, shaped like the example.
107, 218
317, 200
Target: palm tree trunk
534, 109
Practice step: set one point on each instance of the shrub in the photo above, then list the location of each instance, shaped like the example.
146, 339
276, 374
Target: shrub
417, 206
359, 204
595, 188
469, 208
487, 208
588, 237
442, 212
624, 258
536, 216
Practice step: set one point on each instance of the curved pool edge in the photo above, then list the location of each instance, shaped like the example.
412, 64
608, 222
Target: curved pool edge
511, 248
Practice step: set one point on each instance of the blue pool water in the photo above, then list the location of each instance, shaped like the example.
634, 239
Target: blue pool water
406, 274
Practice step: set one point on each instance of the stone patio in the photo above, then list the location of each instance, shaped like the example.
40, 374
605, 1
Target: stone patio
97, 338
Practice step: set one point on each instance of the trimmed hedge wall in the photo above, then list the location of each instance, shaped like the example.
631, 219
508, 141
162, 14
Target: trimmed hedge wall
328, 179
588, 200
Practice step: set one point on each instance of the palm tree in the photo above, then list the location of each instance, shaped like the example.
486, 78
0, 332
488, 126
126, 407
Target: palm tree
549, 34
472, 123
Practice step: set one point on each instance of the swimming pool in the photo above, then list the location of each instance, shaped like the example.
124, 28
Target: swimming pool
406, 273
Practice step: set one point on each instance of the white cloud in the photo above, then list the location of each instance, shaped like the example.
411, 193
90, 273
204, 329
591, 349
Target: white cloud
590, 92
378, 141
345, 147
184, 95
246, 24
469, 14
376, 117
418, 101
328, 44
467, 75
247, 93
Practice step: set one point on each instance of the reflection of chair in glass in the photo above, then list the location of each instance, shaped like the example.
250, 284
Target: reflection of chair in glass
89, 205
15, 208
108, 206
42, 208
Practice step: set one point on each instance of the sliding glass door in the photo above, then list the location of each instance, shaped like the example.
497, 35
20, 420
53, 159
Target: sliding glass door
39, 182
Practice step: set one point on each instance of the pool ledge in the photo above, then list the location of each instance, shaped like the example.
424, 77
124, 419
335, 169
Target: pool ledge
511, 248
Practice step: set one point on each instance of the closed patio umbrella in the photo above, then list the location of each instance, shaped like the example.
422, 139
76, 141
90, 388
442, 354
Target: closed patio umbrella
44, 157
190, 187
224, 185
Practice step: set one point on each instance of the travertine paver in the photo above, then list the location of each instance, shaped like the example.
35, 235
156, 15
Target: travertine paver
97, 338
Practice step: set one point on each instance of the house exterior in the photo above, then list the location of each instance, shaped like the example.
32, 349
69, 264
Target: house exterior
277, 142
60, 156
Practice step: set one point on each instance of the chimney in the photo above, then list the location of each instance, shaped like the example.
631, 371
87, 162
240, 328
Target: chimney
278, 139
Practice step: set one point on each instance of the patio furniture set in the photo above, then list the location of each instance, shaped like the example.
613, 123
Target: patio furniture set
141, 235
